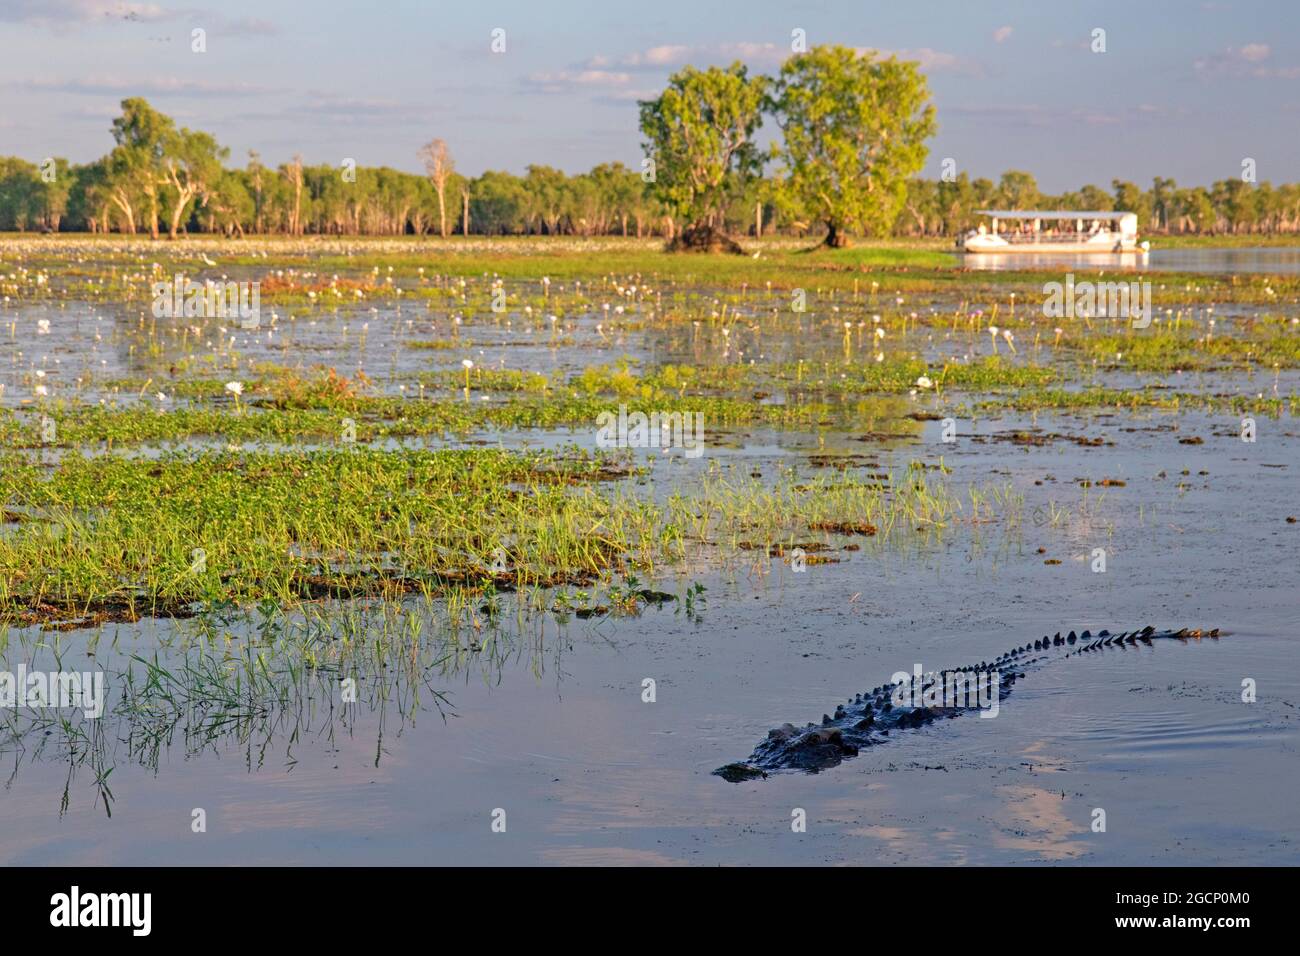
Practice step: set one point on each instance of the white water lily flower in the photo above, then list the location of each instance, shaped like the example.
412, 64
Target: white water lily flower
235, 388
924, 382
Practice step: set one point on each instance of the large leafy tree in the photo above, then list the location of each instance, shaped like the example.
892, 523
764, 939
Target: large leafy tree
1018, 189
19, 193
546, 191
54, 195
700, 136
1129, 197
497, 201
230, 204
191, 168
854, 132
1094, 199
135, 166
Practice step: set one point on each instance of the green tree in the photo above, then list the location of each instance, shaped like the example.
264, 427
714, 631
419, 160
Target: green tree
231, 203
1018, 190
958, 203
19, 193
699, 135
50, 190
497, 203
1129, 197
1095, 199
136, 164
545, 191
191, 164
1198, 209
1163, 193
854, 134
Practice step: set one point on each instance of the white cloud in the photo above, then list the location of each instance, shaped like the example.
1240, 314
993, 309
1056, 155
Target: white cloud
1002, 34
154, 86
1032, 115
1245, 60
935, 61
663, 55
566, 81
78, 11
64, 15
765, 55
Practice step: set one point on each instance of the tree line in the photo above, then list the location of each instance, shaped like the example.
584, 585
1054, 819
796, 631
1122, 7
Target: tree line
853, 129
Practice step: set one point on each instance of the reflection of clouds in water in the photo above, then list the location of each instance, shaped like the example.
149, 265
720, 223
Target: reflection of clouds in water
1035, 820
606, 856
898, 844
882, 833
637, 798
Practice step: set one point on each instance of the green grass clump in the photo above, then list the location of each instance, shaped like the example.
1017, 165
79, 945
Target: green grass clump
1262, 344
901, 374
297, 525
1159, 399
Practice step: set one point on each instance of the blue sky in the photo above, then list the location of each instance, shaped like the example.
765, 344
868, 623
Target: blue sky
1185, 88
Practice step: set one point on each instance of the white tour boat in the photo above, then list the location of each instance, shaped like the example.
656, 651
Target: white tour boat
1061, 230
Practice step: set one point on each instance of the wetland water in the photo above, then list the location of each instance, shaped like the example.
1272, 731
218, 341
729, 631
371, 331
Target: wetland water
542, 714
1243, 261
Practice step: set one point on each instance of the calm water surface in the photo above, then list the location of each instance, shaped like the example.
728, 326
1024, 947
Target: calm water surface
1281, 261
545, 720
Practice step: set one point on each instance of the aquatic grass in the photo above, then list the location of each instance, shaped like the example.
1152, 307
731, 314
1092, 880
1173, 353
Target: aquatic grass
110, 537
738, 512
902, 373
158, 534
323, 417
1135, 399
1247, 346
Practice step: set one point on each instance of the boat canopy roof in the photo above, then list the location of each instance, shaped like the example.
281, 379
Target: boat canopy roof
1053, 214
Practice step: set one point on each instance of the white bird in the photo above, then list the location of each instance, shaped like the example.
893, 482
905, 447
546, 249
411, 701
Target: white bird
206, 260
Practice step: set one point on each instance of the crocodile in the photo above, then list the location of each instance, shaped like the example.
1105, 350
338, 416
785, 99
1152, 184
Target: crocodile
868, 719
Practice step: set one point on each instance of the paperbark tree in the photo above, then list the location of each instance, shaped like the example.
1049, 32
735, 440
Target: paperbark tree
135, 165
439, 166
191, 167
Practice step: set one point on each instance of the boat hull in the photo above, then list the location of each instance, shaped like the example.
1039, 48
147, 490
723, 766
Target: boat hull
988, 244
